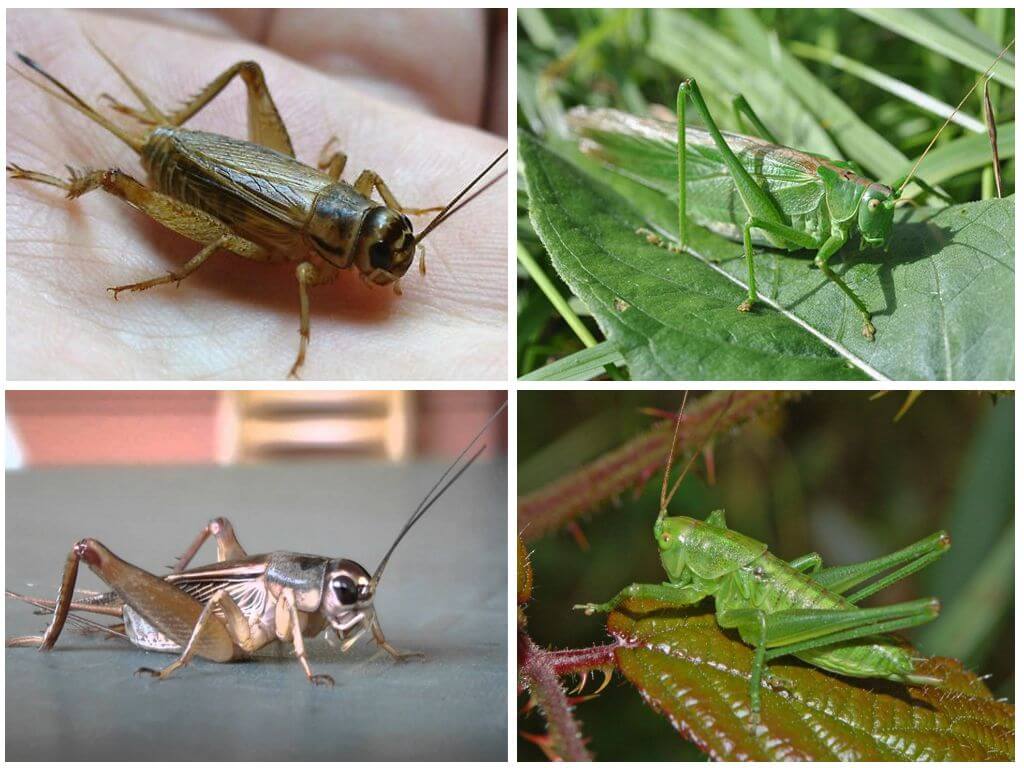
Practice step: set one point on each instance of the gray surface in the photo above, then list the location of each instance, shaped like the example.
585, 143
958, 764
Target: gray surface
444, 594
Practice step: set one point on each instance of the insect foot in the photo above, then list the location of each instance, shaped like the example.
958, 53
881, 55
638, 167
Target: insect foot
746, 306
322, 680
868, 330
147, 672
590, 608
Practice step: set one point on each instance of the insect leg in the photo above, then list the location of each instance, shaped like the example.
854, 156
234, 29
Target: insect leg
234, 623
783, 232
378, 635
177, 216
833, 244
223, 533
332, 162
670, 593
308, 275
370, 180
743, 109
292, 616
843, 578
265, 124
809, 563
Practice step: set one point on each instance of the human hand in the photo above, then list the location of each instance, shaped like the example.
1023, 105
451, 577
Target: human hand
237, 319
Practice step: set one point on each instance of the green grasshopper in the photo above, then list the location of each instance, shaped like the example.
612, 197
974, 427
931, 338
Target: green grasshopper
751, 189
795, 608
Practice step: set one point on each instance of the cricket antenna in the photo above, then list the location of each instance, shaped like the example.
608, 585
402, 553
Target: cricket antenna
431, 497
983, 78
440, 218
667, 499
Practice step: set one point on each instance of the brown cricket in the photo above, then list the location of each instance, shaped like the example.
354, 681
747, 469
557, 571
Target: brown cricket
228, 610
252, 198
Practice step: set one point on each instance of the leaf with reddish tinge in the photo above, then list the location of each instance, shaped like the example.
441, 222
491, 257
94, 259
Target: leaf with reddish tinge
696, 674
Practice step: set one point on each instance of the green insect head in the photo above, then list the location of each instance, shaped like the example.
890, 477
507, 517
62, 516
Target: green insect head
874, 216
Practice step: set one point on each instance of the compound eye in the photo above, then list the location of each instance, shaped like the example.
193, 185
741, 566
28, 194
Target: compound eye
345, 590
873, 204
380, 256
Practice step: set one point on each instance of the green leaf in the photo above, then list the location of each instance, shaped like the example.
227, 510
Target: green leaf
942, 296
697, 675
671, 317
935, 32
579, 366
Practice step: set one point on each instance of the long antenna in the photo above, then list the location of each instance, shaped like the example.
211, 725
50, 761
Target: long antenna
949, 119
439, 219
693, 457
671, 457
430, 498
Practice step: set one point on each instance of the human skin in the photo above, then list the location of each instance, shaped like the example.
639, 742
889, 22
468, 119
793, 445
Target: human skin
397, 107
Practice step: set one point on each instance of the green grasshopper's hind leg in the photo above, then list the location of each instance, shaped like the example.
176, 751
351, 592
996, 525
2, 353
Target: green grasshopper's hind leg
743, 109
791, 631
841, 579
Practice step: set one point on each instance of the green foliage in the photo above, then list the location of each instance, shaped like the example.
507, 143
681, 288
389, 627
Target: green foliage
628, 60
697, 676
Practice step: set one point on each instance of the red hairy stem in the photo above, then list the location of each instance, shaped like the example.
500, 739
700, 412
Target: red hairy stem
538, 675
554, 505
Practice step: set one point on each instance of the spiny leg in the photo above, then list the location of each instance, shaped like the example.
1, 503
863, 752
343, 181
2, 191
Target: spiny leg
333, 163
173, 214
370, 180
234, 622
378, 635
809, 563
265, 124
223, 533
668, 593
308, 275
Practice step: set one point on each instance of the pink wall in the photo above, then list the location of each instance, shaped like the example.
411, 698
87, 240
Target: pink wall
154, 427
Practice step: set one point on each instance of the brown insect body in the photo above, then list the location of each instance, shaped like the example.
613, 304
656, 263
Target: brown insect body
253, 198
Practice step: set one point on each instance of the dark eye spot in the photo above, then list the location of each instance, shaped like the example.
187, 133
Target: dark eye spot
380, 256
345, 590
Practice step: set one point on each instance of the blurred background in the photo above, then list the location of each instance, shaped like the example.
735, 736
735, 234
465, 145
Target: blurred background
830, 472
54, 428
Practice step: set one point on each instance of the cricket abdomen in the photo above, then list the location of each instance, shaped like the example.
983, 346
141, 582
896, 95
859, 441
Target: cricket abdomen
262, 195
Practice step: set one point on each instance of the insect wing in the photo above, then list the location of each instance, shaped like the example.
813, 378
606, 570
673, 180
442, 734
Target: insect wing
242, 579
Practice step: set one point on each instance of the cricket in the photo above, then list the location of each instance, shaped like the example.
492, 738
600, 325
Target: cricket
753, 190
228, 610
252, 198
797, 608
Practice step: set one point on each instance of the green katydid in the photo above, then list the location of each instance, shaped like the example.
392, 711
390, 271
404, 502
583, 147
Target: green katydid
795, 608
752, 190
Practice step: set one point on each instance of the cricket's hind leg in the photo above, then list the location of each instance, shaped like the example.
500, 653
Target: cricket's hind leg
223, 533
265, 124
210, 629
173, 214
